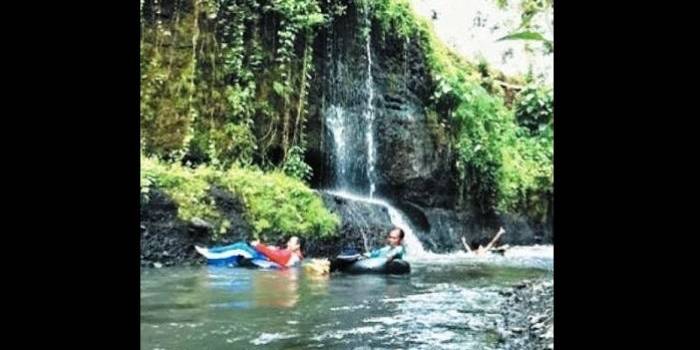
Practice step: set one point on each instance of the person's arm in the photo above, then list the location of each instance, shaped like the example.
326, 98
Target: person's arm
500, 233
466, 246
395, 252
278, 256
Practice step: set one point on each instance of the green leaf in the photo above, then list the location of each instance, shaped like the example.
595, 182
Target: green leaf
527, 35
279, 88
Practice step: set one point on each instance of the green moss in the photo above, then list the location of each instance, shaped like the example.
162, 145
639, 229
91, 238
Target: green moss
501, 165
187, 187
167, 73
232, 95
207, 71
527, 173
275, 204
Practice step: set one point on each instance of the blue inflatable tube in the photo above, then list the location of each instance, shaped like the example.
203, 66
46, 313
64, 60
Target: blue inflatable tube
237, 254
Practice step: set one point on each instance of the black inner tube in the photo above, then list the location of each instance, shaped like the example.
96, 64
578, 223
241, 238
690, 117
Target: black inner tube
370, 265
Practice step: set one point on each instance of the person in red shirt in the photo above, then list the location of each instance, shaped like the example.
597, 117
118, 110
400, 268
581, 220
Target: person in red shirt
287, 257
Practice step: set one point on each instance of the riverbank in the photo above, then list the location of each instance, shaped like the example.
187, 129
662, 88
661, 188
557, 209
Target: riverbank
448, 306
529, 316
167, 239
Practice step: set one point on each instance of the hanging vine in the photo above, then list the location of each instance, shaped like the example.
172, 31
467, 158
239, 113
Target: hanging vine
237, 89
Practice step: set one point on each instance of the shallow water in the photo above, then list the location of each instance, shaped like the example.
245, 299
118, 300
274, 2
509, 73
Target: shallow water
448, 302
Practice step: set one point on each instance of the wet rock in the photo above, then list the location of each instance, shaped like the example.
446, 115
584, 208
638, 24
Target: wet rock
444, 228
232, 208
201, 224
363, 226
170, 241
530, 307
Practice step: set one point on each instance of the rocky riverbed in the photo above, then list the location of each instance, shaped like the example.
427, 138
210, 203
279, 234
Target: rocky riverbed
528, 321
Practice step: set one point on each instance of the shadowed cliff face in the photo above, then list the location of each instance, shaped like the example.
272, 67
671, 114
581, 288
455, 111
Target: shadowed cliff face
367, 84
411, 159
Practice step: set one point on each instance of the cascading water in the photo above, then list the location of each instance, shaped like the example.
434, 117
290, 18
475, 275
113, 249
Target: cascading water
350, 117
413, 245
369, 112
335, 120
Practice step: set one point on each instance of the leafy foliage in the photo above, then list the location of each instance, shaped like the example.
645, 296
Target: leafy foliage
535, 108
275, 204
187, 187
295, 165
225, 85
527, 31
501, 165
208, 68
279, 205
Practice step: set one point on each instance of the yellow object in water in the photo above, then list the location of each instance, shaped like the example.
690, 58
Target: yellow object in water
317, 266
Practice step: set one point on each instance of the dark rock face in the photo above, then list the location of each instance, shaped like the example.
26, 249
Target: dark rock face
413, 158
364, 226
445, 229
414, 166
232, 208
414, 161
165, 239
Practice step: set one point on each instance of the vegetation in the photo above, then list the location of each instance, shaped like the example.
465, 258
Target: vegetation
225, 82
275, 204
527, 30
225, 92
505, 154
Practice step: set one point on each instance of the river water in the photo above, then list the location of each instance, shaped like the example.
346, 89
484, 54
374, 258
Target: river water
449, 301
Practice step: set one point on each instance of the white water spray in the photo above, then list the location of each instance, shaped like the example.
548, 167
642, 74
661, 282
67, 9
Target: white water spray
369, 114
342, 127
414, 248
335, 117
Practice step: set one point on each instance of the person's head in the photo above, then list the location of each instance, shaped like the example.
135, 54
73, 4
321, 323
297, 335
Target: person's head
294, 245
395, 237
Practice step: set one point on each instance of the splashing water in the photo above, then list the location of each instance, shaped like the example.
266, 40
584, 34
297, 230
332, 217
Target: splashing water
369, 114
414, 248
335, 117
537, 256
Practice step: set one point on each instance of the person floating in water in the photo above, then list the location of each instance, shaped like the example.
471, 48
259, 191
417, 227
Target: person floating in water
394, 248
481, 250
286, 257
289, 256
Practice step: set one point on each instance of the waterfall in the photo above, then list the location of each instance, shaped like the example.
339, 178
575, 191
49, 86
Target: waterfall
335, 120
349, 118
369, 111
414, 248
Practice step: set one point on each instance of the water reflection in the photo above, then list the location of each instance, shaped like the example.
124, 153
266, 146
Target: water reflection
437, 306
177, 299
278, 288
317, 284
262, 288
